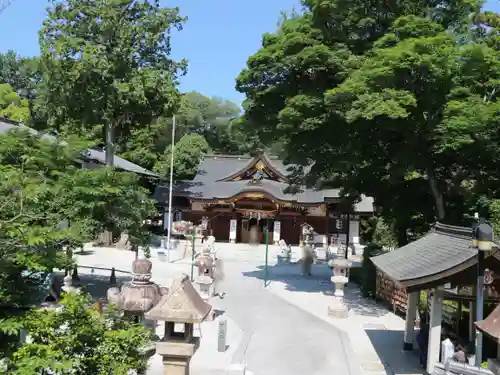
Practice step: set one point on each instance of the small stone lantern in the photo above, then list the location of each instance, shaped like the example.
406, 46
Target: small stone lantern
337, 308
205, 278
180, 309
138, 296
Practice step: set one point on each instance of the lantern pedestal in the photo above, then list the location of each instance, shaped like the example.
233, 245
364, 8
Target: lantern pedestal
177, 356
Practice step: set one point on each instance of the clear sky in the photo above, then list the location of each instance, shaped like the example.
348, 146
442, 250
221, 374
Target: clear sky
217, 39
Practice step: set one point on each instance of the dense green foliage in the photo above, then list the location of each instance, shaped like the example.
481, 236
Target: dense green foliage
77, 339
12, 106
43, 187
109, 67
396, 100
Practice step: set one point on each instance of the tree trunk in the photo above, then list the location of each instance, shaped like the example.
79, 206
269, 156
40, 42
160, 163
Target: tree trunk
401, 233
437, 195
110, 148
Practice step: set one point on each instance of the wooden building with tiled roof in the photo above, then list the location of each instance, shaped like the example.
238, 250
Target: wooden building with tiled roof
237, 193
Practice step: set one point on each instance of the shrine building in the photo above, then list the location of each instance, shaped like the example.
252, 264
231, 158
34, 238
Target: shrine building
238, 193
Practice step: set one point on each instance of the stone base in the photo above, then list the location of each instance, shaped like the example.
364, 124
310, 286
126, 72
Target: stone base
338, 311
176, 365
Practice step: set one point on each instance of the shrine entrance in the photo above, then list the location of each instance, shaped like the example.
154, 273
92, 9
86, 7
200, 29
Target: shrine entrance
254, 217
252, 230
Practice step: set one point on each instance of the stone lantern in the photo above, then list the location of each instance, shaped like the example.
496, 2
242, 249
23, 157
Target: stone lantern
180, 309
205, 279
337, 308
138, 296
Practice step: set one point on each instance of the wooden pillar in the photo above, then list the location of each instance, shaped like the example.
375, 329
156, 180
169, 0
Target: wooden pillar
411, 314
459, 316
434, 346
472, 327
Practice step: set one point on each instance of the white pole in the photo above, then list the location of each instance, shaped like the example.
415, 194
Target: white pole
169, 227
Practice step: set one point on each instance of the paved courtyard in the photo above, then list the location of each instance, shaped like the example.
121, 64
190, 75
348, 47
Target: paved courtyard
281, 329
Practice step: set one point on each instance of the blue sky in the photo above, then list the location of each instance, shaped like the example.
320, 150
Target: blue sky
217, 40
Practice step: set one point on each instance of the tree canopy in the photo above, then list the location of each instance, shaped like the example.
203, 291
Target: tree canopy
78, 339
44, 187
109, 67
392, 100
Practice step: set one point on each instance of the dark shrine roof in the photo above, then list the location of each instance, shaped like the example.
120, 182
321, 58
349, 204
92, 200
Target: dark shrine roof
97, 156
217, 179
433, 259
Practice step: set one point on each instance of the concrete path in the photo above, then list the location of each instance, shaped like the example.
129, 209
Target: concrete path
376, 333
268, 334
280, 338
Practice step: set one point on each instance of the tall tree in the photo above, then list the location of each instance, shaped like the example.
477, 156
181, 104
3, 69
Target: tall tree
108, 66
287, 81
43, 187
188, 153
211, 118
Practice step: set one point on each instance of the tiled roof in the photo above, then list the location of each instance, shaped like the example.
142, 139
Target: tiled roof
444, 248
213, 168
89, 154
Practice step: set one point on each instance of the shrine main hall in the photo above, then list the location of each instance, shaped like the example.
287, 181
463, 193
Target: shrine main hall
239, 195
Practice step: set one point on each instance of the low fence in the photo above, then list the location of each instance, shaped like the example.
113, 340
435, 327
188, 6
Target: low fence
396, 297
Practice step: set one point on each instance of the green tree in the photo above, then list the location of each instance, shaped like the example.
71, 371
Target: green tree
43, 187
109, 69
210, 117
188, 153
12, 106
22, 73
426, 99
76, 339
305, 87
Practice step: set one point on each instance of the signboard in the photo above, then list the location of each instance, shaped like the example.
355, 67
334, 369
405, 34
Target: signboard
277, 231
232, 229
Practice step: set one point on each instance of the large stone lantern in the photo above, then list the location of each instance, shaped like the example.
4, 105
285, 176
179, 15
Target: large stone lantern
337, 308
205, 278
138, 296
180, 309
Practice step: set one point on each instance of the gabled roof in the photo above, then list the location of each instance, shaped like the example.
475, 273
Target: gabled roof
433, 259
182, 304
215, 176
260, 161
90, 154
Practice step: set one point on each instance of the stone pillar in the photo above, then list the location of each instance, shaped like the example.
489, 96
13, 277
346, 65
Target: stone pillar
411, 314
354, 232
434, 346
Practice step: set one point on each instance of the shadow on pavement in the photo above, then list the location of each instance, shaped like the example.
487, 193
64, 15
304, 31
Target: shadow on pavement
388, 345
319, 282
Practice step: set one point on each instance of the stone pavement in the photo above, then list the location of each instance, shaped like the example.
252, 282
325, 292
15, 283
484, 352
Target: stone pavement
282, 339
376, 334
292, 334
